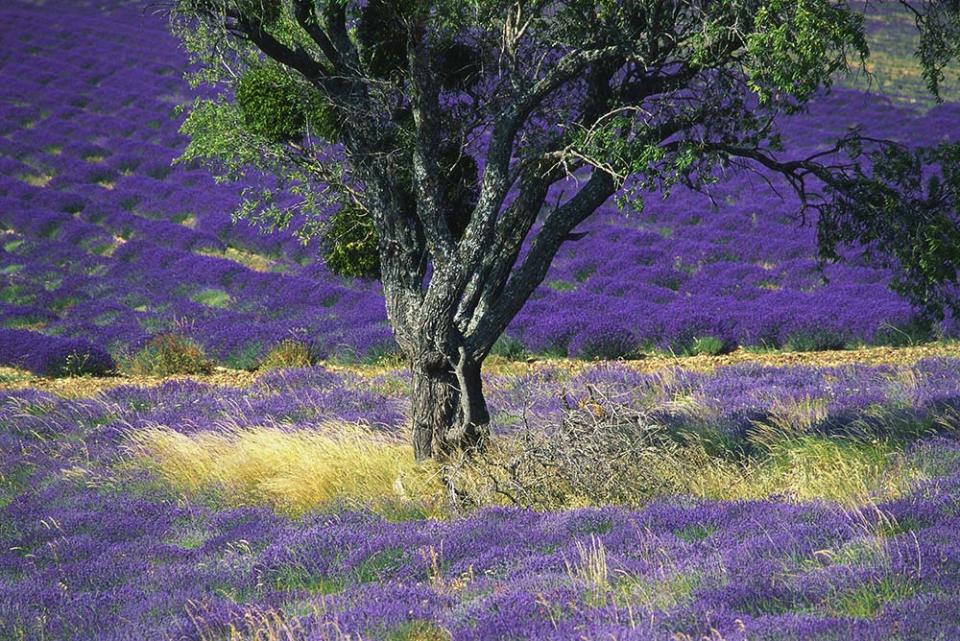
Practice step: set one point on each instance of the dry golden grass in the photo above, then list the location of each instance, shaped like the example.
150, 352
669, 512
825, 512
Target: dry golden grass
808, 468
86, 386
252, 260
292, 471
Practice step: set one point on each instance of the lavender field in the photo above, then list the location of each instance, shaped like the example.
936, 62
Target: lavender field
105, 241
642, 482
100, 543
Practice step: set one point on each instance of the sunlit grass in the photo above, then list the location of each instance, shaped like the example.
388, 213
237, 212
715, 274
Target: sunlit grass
337, 465
252, 260
845, 471
36, 180
292, 471
212, 298
807, 468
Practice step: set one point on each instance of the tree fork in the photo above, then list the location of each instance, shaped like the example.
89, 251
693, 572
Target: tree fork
449, 412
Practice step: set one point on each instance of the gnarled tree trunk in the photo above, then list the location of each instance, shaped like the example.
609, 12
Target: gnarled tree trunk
448, 409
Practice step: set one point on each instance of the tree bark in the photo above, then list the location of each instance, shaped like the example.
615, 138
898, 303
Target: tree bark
448, 408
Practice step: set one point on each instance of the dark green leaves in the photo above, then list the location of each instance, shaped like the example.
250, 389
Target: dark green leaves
907, 210
939, 41
272, 103
383, 34
797, 45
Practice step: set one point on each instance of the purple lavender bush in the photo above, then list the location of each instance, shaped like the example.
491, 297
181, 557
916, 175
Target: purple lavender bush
53, 356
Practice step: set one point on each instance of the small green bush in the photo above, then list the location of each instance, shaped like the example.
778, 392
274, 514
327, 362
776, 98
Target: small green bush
813, 341
708, 346
904, 335
168, 354
246, 357
288, 353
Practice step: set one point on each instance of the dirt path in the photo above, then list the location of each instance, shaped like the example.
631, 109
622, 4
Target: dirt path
12, 379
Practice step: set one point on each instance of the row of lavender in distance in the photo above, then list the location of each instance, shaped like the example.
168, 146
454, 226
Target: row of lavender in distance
104, 239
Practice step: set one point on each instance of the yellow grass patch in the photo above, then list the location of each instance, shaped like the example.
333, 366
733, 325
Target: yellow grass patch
813, 468
294, 471
36, 180
251, 260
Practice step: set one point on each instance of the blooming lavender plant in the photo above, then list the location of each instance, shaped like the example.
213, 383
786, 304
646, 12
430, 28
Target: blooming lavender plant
95, 216
93, 554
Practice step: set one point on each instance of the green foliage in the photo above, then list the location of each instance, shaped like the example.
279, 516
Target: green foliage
708, 346
266, 12
296, 578
166, 355
323, 119
217, 134
797, 45
939, 42
906, 212
246, 357
292, 97
917, 331
868, 600
695, 533
509, 347
272, 103
379, 565
813, 340
351, 244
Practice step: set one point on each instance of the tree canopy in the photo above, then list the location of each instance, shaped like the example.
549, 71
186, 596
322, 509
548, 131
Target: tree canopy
468, 139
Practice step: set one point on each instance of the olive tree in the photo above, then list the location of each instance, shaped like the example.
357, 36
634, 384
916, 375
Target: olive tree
467, 139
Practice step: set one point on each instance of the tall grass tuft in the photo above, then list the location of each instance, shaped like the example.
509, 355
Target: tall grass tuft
166, 355
591, 566
289, 353
294, 471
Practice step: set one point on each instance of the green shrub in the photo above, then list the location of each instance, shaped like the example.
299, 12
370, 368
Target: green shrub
509, 347
168, 354
272, 104
247, 356
817, 340
904, 335
289, 353
708, 346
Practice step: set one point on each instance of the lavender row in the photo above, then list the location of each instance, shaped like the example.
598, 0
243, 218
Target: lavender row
84, 556
106, 241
